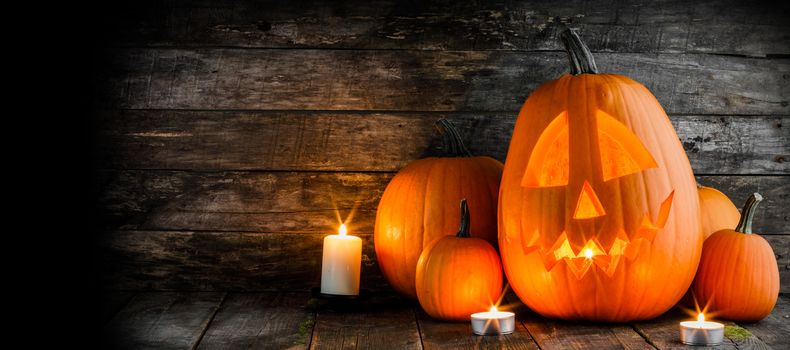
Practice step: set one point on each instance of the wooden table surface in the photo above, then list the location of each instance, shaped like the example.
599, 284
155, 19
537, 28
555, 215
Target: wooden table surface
280, 320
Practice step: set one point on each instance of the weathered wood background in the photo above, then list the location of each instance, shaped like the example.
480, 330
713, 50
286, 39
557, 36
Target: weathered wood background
229, 133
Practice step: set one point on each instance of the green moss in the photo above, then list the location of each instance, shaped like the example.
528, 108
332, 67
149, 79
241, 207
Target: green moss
736, 333
305, 328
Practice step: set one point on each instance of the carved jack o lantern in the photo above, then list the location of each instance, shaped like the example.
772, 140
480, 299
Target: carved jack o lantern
599, 216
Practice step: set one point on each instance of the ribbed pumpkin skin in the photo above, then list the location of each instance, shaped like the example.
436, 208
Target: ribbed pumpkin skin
420, 204
457, 277
661, 272
738, 277
717, 210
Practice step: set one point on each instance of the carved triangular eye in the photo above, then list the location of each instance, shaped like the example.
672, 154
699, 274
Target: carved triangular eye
621, 151
549, 163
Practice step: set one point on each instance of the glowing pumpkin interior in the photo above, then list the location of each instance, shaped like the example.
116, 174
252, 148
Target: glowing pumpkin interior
621, 154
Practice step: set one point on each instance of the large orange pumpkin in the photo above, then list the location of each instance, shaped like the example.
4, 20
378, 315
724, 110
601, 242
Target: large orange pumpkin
420, 204
458, 275
717, 210
598, 207
738, 277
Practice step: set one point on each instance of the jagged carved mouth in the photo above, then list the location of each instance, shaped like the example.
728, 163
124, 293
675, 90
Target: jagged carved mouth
619, 153
593, 253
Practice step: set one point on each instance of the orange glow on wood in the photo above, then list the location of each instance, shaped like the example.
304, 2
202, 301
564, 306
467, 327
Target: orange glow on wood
549, 164
621, 151
588, 205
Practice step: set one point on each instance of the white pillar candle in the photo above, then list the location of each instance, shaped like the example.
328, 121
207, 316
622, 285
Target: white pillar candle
341, 263
701, 332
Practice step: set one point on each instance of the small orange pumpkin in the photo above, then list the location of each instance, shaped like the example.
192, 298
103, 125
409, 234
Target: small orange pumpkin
458, 275
717, 210
418, 207
738, 277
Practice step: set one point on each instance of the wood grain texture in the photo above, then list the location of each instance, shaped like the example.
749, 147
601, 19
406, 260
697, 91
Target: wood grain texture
773, 218
381, 321
376, 322
556, 334
550, 334
343, 141
774, 329
781, 247
155, 78
299, 202
162, 321
758, 145
231, 133
241, 201
221, 261
730, 27
750, 341
458, 335
261, 321
663, 332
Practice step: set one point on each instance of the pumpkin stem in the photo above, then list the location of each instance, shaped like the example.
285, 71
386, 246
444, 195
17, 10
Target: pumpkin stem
463, 231
747, 214
453, 144
580, 57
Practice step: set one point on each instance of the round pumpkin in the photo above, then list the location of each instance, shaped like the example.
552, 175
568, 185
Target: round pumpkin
420, 204
458, 275
717, 210
738, 276
598, 210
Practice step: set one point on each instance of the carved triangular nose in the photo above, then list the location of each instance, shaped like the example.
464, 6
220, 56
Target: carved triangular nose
588, 205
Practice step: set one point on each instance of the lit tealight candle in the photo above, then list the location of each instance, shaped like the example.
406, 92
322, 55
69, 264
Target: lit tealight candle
341, 263
701, 332
493, 322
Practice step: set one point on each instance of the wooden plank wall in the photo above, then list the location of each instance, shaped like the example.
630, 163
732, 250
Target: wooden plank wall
230, 135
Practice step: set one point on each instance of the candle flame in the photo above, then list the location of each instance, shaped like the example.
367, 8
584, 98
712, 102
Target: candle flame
701, 317
342, 231
588, 253
492, 309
